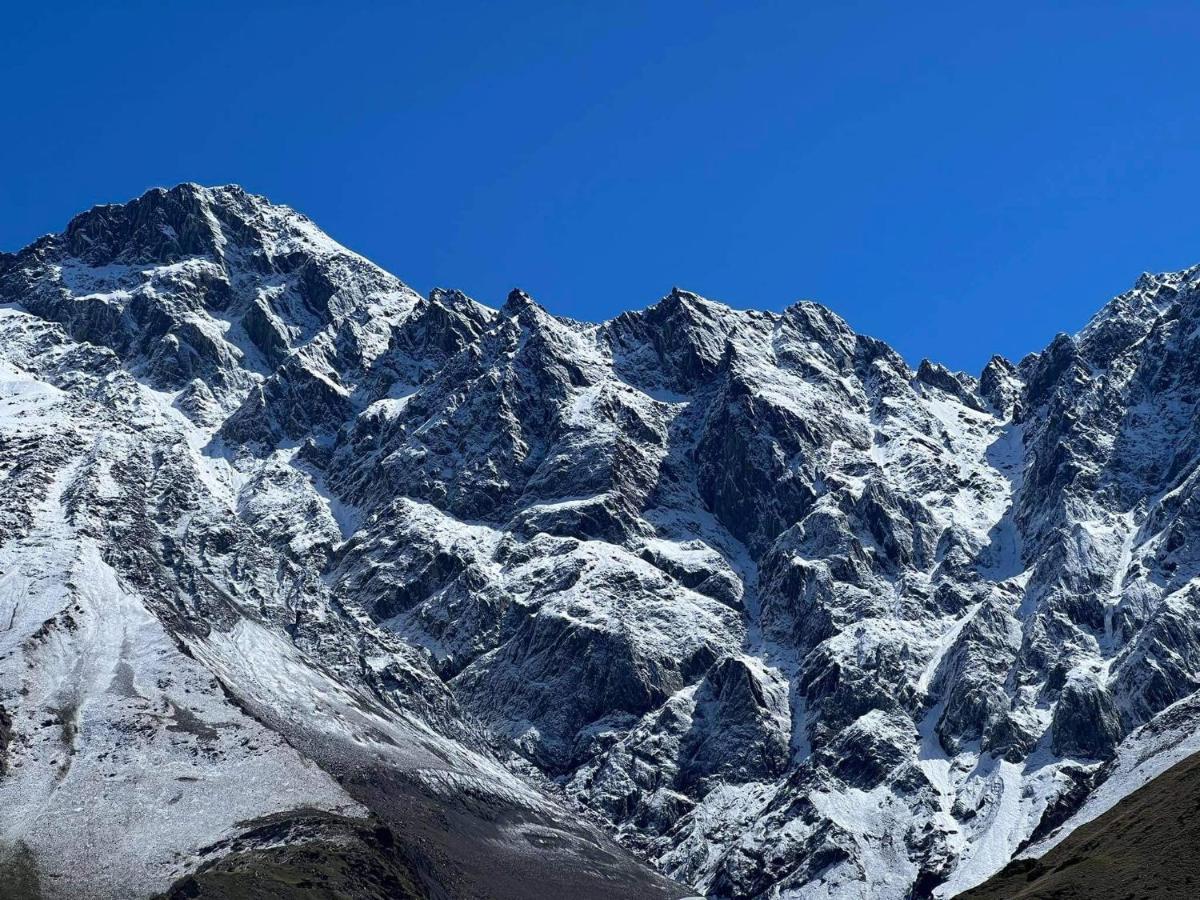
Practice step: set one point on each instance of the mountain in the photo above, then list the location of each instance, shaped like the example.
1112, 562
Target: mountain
294, 557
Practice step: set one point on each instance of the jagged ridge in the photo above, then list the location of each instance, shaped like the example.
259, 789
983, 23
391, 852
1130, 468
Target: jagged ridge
789, 617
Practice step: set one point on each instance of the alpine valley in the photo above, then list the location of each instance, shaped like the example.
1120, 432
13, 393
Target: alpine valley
310, 583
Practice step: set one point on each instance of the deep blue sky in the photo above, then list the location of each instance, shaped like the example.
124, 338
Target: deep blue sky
958, 179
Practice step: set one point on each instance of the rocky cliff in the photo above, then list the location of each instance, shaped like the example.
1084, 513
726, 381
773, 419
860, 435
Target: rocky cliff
744, 591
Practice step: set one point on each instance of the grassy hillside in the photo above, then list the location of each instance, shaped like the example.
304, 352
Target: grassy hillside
1147, 847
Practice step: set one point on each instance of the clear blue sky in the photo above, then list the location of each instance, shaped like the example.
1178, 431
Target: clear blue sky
958, 179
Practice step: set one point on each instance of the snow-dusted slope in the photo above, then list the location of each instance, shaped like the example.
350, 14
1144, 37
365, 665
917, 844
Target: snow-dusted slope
174, 666
787, 617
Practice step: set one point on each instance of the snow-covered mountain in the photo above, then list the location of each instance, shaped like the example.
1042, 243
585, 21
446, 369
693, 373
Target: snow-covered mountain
280, 538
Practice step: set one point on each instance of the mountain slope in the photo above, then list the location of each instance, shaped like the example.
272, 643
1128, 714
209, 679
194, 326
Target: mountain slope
1144, 847
784, 616
173, 664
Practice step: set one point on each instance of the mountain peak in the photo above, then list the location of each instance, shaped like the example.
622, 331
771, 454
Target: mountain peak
518, 300
774, 608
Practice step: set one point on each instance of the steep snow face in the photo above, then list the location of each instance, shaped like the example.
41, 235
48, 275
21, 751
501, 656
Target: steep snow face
789, 618
123, 755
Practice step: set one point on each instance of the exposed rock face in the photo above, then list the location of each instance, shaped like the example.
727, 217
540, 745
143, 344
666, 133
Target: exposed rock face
173, 657
5, 738
788, 617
